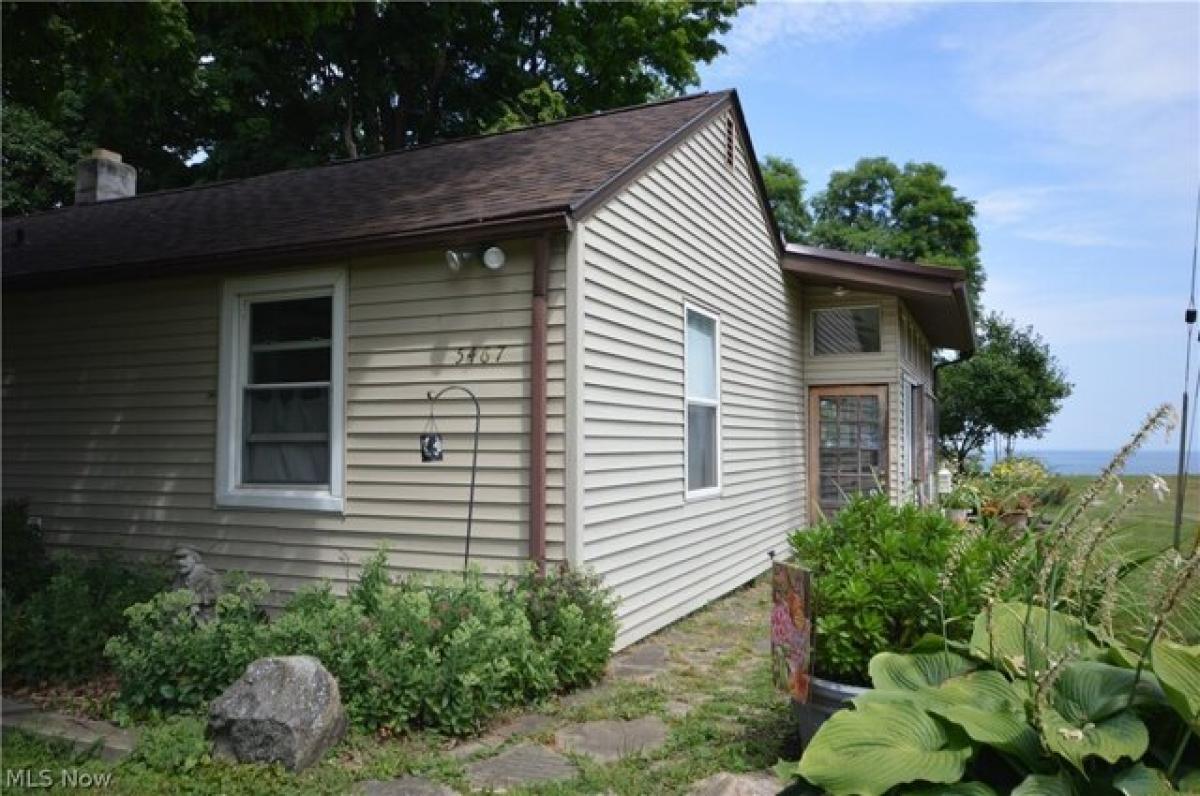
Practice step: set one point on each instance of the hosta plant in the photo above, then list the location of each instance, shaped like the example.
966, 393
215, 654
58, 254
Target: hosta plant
1081, 674
1032, 705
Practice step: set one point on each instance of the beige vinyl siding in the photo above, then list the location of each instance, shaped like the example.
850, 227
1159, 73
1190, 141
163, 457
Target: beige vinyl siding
110, 398
853, 369
688, 230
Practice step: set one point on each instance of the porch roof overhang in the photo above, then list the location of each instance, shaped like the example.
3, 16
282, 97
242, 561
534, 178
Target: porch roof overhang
935, 295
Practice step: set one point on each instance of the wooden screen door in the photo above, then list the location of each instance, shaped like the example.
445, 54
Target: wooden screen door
847, 444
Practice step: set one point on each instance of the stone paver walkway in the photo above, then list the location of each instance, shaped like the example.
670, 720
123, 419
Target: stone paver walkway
642, 663
608, 741
526, 764
726, 784
405, 786
698, 664
110, 742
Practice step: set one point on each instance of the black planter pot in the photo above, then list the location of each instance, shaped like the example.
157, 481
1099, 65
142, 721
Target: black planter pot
825, 697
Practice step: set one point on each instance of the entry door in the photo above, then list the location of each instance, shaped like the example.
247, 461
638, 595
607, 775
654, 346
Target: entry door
847, 444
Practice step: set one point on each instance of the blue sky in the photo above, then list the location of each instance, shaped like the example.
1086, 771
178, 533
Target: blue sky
1076, 130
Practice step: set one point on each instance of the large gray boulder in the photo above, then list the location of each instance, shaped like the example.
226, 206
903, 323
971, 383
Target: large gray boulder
282, 710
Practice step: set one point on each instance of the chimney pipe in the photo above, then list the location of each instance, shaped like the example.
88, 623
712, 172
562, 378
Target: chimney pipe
102, 177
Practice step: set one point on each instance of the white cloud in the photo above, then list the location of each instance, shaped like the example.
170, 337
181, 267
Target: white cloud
760, 26
1008, 205
1066, 234
1061, 214
1111, 86
1087, 318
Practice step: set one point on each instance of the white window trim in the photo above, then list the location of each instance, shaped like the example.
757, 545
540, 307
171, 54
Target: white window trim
236, 295
812, 334
715, 490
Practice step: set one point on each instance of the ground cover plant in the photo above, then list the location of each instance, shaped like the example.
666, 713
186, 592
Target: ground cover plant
59, 612
1085, 682
879, 580
446, 653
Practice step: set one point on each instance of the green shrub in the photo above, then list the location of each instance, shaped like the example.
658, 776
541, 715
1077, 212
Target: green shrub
572, 615
488, 657
26, 568
59, 632
887, 575
168, 661
446, 653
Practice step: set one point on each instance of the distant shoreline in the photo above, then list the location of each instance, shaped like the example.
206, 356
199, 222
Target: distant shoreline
1091, 462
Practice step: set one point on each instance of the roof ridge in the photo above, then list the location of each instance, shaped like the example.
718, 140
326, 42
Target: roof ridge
380, 155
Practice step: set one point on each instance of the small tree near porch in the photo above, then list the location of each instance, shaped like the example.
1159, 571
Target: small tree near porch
1013, 386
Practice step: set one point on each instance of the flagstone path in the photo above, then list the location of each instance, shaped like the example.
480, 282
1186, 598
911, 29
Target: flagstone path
703, 682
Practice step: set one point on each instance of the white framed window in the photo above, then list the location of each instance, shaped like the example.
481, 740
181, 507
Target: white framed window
702, 389
846, 330
280, 420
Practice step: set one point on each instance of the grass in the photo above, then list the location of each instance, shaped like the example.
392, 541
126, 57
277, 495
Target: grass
717, 697
1149, 525
1145, 532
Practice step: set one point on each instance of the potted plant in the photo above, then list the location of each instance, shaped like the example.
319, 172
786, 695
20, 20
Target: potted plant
875, 567
958, 503
1014, 510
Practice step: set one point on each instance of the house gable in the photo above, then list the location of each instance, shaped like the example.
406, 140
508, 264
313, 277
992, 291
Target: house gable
691, 230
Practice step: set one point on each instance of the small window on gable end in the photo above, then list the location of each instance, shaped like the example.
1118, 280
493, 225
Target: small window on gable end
280, 420
846, 330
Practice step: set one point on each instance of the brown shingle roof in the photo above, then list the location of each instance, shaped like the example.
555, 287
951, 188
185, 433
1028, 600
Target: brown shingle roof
936, 295
537, 172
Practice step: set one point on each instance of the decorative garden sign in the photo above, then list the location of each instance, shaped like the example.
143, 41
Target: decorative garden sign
791, 629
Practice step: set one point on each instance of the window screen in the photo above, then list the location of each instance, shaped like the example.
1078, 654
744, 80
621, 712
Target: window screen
285, 419
846, 330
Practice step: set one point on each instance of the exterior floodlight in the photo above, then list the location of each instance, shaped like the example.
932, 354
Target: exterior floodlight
840, 291
494, 257
456, 259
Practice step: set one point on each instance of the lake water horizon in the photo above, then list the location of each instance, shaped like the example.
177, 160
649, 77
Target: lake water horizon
1090, 462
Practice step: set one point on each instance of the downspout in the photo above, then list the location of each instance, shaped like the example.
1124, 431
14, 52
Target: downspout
937, 367
537, 404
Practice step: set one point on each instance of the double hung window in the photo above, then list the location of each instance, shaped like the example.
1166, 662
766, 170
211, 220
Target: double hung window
281, 413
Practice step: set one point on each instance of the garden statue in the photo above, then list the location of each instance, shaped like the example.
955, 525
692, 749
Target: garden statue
203, 581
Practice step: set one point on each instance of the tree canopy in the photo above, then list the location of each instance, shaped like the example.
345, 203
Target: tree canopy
1013, 386
785, 194
879, 208
189, 92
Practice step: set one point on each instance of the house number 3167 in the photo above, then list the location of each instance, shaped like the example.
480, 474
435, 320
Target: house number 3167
479, 354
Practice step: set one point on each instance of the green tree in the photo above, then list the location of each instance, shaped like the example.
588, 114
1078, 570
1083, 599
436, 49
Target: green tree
1013, 386
785, 195
533, 106
79, 75
36, 165
907, 213
255, 87
369, 78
